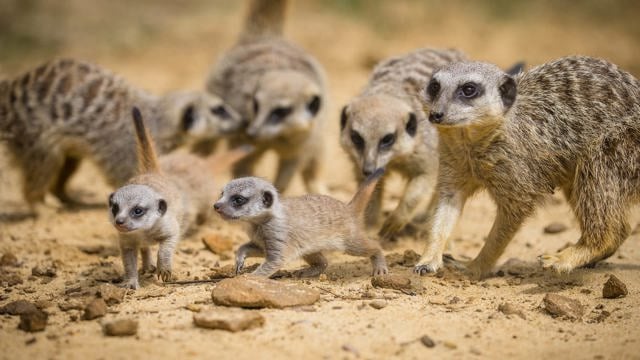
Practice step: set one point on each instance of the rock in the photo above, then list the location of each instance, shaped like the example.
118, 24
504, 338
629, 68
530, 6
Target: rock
378, 304
111, 294
258, 292
18, 307
95, 309
217, 243
43, 271
517, 267
392, 281
351, 349
555, 228
510, 309
193, 307
228, 319
450, 345
410, 258
427, 341
9, 279
8, 259
614, 288
71, 304
33, 321
120, 327
562, 306
91, 249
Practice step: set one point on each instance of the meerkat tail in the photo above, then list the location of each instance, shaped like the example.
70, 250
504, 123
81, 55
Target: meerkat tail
264, 17
147, 158
222, 162
362, 196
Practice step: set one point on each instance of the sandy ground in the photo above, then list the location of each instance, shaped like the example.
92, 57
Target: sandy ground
164, 47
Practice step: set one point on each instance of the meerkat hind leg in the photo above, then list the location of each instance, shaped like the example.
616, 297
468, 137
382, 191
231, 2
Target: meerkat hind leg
40, 168
372, 249
147, 261
69, 167
317, 265
130, 263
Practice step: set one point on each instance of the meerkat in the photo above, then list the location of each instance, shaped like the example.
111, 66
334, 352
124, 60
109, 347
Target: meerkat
285, 229
385, 126
66, 110
161, 204
279, 91
571, 124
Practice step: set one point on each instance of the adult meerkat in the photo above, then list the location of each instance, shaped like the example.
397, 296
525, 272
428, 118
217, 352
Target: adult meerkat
386, 127
285, 229
279, 91
572, 124
66, 110
161, 204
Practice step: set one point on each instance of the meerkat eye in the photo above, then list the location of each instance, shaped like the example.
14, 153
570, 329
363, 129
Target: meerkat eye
343, 118
115, 209
137, 211
256, 106
238, 200
469, 90
188, 118
412, 125
221, 112
314, 105
433, 88
278, 115
357, 140
387, 141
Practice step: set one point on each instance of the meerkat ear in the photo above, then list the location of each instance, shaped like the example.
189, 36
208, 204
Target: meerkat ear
267, 199
188, 118
516, 68
162, 206
343, 118
314, 105
412, 125
508, 92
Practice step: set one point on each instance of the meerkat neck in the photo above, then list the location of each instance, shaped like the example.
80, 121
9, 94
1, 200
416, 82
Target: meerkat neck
483, 134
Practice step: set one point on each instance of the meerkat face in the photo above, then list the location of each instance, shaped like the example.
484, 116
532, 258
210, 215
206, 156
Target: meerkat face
375, 130
248, 199
469, 94
285, 102
135, 207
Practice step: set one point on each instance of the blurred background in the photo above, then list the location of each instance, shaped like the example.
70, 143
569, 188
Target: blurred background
161, 45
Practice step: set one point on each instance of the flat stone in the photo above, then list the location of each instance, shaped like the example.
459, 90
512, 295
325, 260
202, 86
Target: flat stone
515, 267
120, 327
217, 243
229, 319
8, 259
510, 309
9, 278
555, 228
427, 341
258, 292
95, 309
47, 271
378, 304
33, 321
614, 288
111, 294
562, 306
18, 307
392, 281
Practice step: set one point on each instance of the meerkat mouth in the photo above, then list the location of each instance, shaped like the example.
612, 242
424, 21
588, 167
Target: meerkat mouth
123, 228
227, 216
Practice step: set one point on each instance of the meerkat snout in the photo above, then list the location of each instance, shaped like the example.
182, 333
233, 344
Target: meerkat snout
435, 117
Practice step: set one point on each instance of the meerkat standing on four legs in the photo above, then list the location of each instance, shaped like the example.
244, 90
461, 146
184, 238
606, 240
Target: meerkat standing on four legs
386, 127
279, 90
66, 110
572, 124
285, 229
159, 205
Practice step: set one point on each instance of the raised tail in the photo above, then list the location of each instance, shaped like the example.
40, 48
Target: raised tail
362, 196
147, 158
222, 162
264, 18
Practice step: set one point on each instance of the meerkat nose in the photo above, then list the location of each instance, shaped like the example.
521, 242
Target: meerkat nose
436, 117
217, 206
119, 221
367, 171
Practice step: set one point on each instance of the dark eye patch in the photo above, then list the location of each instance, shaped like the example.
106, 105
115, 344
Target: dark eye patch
469, 90
278, 115
188, 118
357, 140
221, 112
343, 118
412, 125
314, 105
137, 211
256, 106
115, 209
238, 200
387, 141
433, 88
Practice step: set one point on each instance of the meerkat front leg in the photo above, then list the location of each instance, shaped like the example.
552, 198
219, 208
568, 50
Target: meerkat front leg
59, 187
275, 258
130, 263
286, 170
165, 258
147, 261
249, 249
414, 195
363, 246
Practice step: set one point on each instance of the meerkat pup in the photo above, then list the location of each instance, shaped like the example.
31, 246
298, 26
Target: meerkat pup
386, 127
285, 229
279, 91
572, 124
160, 205
66, 110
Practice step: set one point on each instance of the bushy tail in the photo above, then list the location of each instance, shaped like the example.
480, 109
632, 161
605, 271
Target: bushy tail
264, 18
222, 162
362, 196
147, 158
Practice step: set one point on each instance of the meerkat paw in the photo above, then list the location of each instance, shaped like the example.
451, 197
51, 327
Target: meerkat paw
164, 274
558, 262
424, 267
380, 270
149, 270
239, 266
477, 269
130, 284
309, 272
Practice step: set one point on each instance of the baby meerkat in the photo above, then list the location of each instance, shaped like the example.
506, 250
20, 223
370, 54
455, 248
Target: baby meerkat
279, 91
160, 205
572, 124
66, 110
386, 127
285, 229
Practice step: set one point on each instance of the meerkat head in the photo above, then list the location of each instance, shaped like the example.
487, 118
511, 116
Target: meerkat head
376, 129
199, 115
468, 94
248, 199
136, 207
284, 102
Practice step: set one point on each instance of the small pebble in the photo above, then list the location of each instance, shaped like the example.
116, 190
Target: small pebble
555, 228
614, 288
378, 304
120, 327
33, 321
95, 309
427, 341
